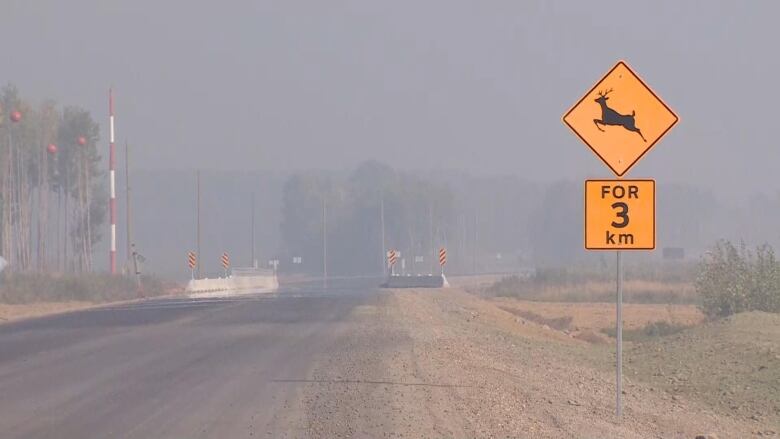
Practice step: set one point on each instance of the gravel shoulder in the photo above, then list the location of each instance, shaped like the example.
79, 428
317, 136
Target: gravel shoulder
27, 310
444, 363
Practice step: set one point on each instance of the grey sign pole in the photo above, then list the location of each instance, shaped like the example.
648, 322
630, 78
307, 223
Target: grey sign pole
619, 335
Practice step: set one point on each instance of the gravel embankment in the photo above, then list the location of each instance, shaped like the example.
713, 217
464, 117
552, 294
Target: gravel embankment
443, 363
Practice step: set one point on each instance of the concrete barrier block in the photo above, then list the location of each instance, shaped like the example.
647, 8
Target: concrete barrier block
436, 281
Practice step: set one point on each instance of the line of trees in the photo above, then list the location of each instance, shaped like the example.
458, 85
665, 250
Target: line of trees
487, 223
52, 204
418, 217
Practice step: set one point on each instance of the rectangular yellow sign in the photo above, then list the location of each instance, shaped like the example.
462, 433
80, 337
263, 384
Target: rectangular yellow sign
620, 214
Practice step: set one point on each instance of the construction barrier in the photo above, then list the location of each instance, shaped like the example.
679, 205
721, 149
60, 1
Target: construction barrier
435, 281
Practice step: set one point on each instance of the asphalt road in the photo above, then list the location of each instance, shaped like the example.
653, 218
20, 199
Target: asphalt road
209, 368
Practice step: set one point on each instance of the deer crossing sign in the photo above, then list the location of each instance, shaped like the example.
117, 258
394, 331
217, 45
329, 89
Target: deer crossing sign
620, 214
620, 119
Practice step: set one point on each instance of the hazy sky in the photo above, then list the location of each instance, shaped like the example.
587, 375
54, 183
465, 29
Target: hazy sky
474, 85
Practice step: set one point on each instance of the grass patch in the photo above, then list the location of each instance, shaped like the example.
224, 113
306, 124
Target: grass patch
21, 288
594, 290
649, 331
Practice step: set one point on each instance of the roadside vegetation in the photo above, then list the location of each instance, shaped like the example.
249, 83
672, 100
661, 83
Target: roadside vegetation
729, 279
24, 288
733, 279
721, 348
53, 201
649, 283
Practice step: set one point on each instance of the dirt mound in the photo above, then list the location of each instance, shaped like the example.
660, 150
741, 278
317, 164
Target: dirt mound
460, 366
733, 364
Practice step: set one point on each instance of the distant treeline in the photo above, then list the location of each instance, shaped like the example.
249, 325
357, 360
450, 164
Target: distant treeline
419, 216
488, 223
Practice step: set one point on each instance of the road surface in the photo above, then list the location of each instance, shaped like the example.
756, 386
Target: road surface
211, 368
353, 362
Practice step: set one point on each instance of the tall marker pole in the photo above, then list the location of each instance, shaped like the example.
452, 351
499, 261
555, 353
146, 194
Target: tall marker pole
112, 181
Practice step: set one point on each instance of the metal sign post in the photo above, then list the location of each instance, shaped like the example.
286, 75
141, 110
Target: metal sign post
619, 336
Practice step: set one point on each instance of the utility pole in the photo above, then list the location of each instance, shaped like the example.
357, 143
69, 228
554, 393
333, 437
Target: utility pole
87, 197
66, 233
430, 233
254, 259
197, 220
475, 242
382, 221
324, 243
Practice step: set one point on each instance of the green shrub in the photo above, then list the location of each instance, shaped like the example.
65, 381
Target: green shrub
734, 279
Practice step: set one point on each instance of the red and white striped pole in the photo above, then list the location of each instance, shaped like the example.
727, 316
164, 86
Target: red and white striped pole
112, 181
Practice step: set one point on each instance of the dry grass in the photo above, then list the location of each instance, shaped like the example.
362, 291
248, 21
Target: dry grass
27, 310
600, 316
634, 291
27, 288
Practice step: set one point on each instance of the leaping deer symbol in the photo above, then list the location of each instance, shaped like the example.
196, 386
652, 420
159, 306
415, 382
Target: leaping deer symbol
612, 117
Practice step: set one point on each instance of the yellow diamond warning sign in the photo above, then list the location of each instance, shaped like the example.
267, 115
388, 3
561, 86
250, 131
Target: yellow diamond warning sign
620, 214
620, 119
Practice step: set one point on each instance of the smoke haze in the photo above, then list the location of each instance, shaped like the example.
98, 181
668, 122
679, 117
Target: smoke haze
437, 86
